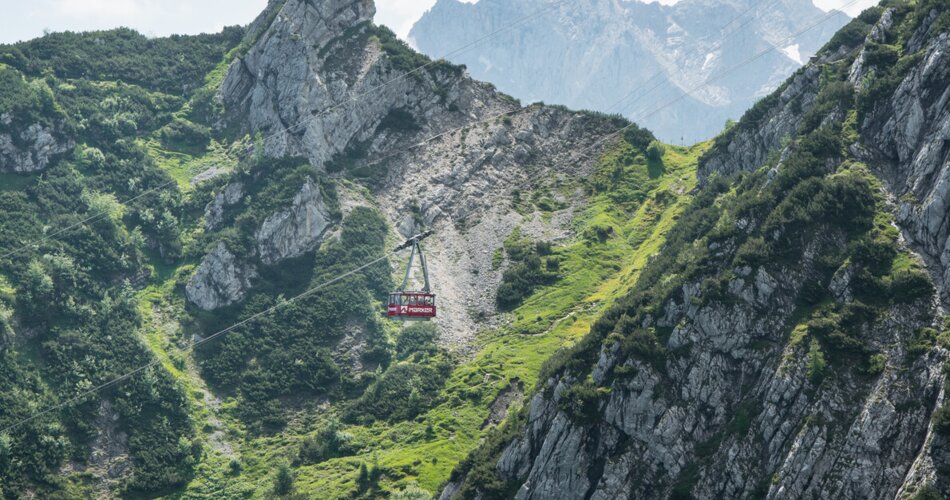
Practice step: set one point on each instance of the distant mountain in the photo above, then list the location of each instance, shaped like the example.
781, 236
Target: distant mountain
593, 53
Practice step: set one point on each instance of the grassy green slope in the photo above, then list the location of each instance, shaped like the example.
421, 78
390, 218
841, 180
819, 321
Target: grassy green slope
636, 199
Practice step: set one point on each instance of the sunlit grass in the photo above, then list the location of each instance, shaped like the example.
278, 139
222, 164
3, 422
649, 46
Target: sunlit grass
428, 448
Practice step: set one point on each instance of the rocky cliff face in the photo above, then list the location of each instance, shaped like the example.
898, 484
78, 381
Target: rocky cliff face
434, 141
903, 135
297, 230
31, 149
771, 368
298, 82
220, 280
575, 52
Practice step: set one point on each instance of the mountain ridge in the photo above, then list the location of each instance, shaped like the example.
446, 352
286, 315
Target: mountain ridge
757, 362
750, 286
567, 56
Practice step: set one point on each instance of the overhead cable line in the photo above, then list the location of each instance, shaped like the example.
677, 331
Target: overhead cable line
194, 344
349, 99
310, 291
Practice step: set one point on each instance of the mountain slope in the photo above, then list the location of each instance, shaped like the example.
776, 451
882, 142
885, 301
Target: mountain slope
787, 341
574, 53
301, 150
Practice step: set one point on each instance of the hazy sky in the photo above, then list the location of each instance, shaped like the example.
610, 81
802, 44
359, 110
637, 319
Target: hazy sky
25, 19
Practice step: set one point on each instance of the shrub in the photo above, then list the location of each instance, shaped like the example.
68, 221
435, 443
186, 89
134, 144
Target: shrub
876, 364
927, 492
402, 392
581, 401
655, 150
753, 253
283, 479
941, 420
815, 362
923, 342
183, 135
851, 35
879, 54
412, 491
644, 344
638, 137
598, 233
526, 274
330, 442
908, 285
415, 338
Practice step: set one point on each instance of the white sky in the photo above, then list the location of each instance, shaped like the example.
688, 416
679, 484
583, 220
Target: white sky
25, 19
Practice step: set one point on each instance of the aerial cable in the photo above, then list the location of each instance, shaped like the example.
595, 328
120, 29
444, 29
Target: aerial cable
310, 291
290, 129
197, 343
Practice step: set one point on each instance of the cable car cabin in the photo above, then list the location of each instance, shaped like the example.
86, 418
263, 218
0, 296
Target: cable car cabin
411, 306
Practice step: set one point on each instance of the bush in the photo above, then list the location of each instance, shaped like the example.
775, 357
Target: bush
581, 401
417, 338
183, 135
928, 492
908, 285
815, 362
402, 392
283, 480
642, 343
412, 491
330, 442
876, 364
655, 150
753, 253
526, 274
851, 35
941, 420
923, 342
638, 137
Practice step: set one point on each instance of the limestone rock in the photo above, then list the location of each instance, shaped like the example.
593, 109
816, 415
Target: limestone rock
214, 212
676, 423
33, 150
220, 280
297, 230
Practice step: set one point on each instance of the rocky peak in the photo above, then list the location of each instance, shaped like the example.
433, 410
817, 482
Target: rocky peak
289, 87
575, 53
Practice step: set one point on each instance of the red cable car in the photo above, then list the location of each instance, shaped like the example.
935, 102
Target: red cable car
413, 305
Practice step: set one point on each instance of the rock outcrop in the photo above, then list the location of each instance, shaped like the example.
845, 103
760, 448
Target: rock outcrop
214, 212
312, 84
297, 230
903, 137
908, 137
32, 149
220, 280
299, 80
